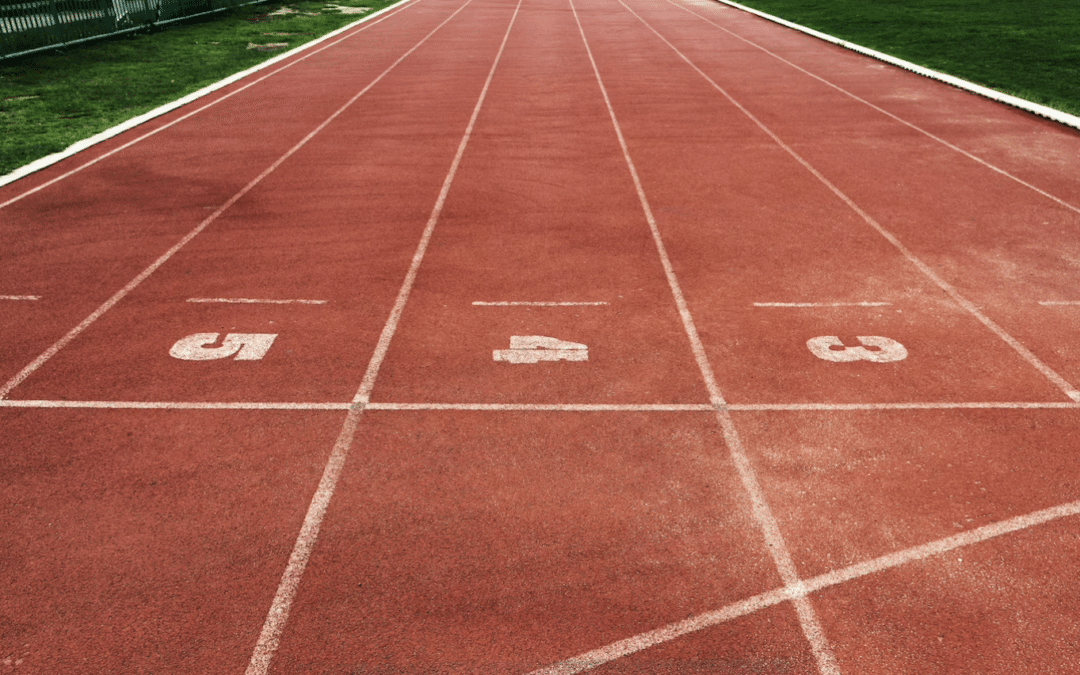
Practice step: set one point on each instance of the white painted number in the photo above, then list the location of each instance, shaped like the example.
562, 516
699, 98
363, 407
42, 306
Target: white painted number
536, 348
246, 346
830, 348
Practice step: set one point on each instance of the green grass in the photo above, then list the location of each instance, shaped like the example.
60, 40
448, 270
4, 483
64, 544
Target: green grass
1027, 48
53, 99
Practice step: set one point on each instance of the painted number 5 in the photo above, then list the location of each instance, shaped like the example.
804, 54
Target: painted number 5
246, 346
830, 348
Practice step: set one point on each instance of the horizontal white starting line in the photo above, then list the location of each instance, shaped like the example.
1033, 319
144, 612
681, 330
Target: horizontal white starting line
258, 301
821, 304
540, 407
523, 303
20, 297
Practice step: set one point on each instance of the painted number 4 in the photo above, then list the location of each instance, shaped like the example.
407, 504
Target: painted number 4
537, 348
246, 346
874, 348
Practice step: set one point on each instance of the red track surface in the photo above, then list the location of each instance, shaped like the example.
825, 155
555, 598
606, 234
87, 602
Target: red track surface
704, 193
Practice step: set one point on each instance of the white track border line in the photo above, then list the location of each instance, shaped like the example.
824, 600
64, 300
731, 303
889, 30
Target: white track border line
1068, 389
20, 297
615, 650
1014, 101
278, 615
134, 283
770, 529
539, 407
78, 147
910, 125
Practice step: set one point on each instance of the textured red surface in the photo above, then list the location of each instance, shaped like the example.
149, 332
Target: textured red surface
509, 539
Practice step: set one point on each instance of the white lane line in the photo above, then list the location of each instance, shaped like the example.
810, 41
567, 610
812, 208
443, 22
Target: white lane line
78, 147
254, 301
172, 405
537, 407
761, 601
20, 297
881, 110
294, 571
988, 405
567, 407
821, 304
1024, 353
1054, 303
763, 515
134, 283
519, 303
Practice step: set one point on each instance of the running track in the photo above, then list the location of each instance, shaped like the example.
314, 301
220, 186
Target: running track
689, 194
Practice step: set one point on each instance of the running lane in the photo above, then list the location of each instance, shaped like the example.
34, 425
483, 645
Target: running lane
332, 229
76, 242
491, 541
754, 189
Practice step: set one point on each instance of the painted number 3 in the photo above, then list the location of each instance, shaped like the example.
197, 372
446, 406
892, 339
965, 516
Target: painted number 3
874, 348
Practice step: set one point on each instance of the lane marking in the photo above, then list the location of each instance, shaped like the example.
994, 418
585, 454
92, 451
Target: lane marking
536, 348
78, 147
253, 301
643, 641
546, 407
172, 405
822, 304
987, 405
550, 407
278, 614
881, 110
1053, 303
246, 346
886, 349
134, 283
480, 303
20, 297
941, 283
774, 539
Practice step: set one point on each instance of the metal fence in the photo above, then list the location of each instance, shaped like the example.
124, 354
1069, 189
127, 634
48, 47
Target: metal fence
27, 27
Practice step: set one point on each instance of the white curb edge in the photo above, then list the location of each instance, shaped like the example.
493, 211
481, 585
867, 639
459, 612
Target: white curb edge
1016, 102
75, 148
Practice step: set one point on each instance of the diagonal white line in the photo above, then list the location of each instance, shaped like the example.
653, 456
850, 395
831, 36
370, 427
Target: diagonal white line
305, 542
940, 282
134, 283
881, 110
598, 657
774, 539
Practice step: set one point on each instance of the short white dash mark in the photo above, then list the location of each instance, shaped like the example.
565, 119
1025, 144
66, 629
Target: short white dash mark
20, 297
256, 301
821, 304
523, 303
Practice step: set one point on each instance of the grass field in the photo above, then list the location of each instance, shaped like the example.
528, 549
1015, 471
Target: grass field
1027, 48
52, 99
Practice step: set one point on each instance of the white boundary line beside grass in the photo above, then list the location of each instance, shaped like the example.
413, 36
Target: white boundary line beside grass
79, 146
1023, 104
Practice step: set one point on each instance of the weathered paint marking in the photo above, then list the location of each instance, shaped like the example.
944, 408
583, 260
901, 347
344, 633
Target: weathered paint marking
246, 346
